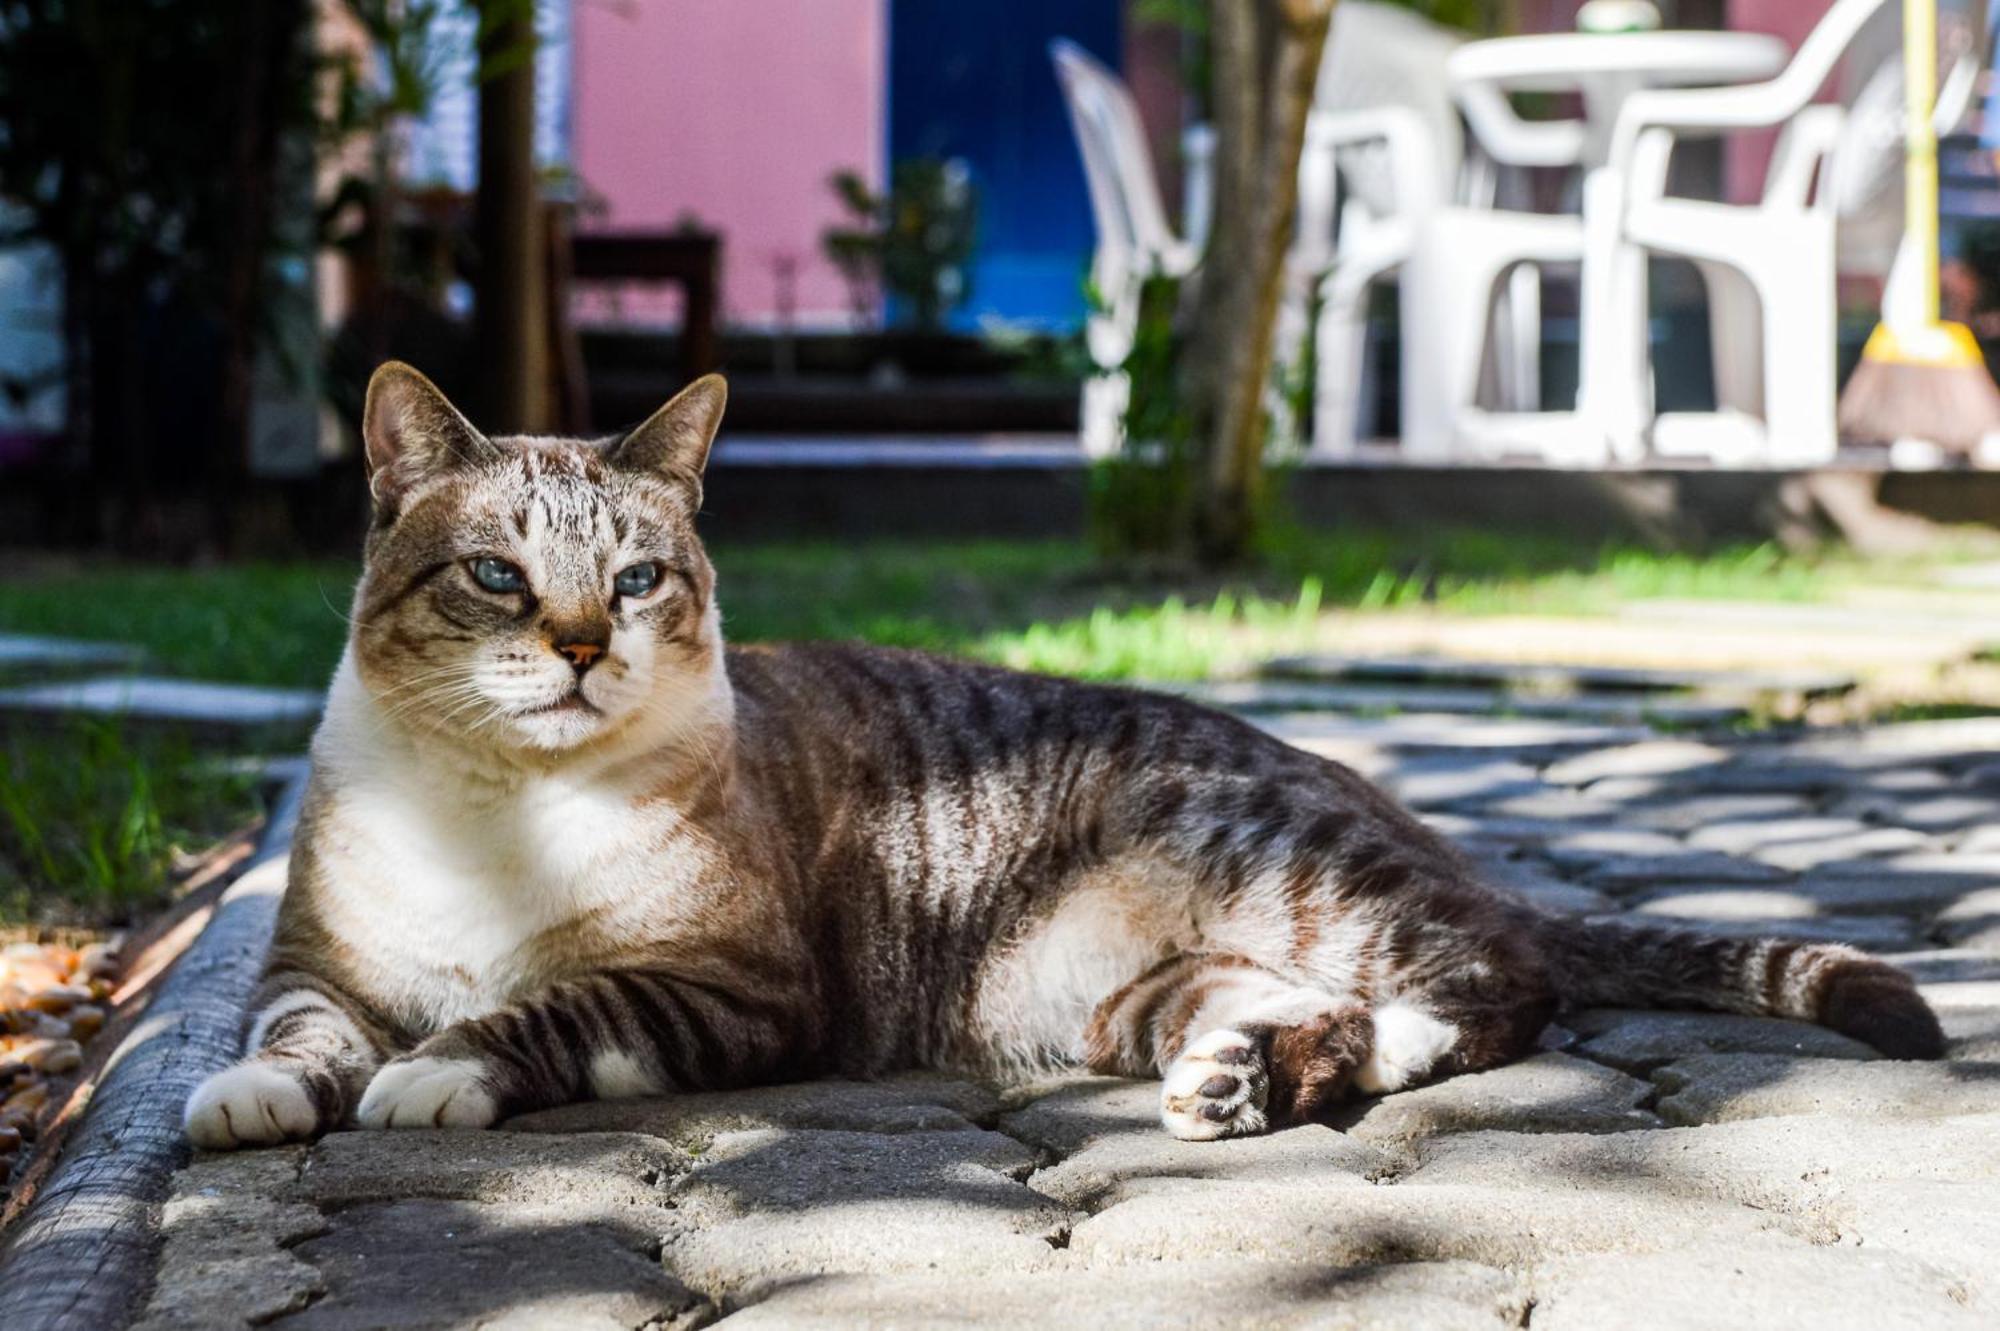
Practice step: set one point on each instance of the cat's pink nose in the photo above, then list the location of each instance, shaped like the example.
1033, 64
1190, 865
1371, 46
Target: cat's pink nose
580, 654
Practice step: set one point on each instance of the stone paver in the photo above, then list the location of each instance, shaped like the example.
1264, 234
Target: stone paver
1715, 1088
768, 1207
1549, 1092
1179, 1296
1641, 1041
1726, 1288
444, 1264
1682, 1170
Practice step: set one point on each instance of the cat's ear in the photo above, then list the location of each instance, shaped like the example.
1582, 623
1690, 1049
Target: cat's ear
675, 439
412, 432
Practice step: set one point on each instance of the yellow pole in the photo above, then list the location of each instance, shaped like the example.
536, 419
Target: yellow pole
1920, 168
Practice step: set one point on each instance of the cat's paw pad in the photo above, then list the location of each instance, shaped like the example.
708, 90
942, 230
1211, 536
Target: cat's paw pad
1217, 1087
427, 1092
251, 1104
1408, 1041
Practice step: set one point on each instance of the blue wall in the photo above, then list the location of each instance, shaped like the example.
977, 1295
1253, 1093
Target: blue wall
972, 79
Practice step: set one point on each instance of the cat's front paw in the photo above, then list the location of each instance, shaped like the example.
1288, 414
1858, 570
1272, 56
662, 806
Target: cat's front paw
426, 1092
1217, 1087
254, 1103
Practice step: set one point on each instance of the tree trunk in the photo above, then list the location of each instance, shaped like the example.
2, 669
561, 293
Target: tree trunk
1266, 56
511, 311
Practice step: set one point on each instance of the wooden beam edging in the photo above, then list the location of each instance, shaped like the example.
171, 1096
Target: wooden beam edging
82, 1257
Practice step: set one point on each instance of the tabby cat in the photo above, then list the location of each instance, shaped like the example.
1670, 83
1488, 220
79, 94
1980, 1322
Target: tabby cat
559, 843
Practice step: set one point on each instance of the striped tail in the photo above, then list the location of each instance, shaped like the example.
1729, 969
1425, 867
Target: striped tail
1612, 964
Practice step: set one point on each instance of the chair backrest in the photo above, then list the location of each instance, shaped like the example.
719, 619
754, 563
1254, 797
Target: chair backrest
1814, 62
1381, 55
1124, 191
1867, 169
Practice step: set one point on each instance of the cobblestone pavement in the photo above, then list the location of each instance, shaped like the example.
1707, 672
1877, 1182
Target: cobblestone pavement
1670, 1170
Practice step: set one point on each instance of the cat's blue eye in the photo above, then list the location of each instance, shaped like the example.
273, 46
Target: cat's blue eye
497, 575
637, 580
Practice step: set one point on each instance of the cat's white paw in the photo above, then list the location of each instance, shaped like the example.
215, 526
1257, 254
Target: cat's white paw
428, 1093
250, 1104
1216, 1088
1408, 1041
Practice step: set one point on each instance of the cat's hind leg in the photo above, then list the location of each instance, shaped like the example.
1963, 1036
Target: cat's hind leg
1468, 1024
1239, 1049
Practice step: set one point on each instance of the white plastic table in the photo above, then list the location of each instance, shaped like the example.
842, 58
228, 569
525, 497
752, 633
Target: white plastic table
1606, 69
1609, 67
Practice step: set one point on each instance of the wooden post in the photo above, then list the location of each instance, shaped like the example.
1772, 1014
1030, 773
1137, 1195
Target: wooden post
511, 310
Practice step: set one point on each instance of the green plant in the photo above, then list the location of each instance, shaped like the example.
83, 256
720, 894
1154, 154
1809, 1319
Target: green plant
1141, 498
91, 820
911, 243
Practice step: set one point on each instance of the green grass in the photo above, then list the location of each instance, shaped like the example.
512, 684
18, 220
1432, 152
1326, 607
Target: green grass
252, 624
92, 820
1043, 605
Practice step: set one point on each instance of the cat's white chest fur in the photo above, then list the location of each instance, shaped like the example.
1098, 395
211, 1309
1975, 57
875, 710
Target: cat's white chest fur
459, 895
471, 895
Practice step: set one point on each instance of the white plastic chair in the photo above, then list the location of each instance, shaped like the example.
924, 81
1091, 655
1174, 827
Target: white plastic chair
1472, 300
1383, 149
1376, 238
1769, 266
1134, 240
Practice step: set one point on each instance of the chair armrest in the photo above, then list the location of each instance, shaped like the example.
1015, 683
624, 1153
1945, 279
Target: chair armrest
1656, 112
1512, 141
1802, 153
1400, 129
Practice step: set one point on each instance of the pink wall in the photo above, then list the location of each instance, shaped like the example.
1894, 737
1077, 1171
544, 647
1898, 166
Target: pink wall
736, 113
1749, 154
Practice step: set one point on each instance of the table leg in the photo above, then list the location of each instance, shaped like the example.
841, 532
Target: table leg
1613, 392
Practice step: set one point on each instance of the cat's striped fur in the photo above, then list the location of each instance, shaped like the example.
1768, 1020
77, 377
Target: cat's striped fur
519, 882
